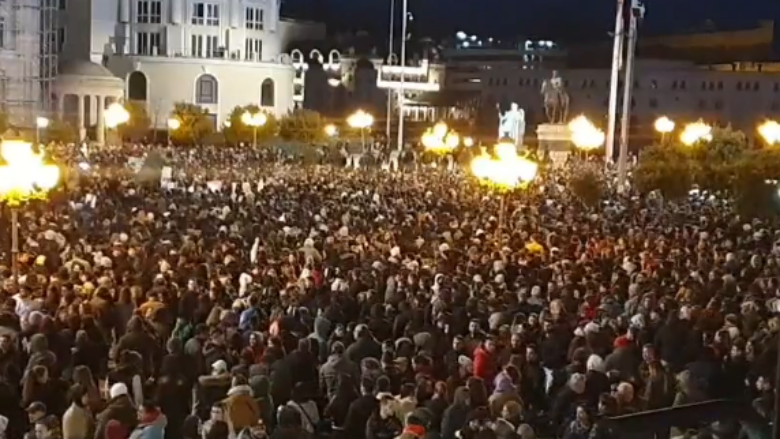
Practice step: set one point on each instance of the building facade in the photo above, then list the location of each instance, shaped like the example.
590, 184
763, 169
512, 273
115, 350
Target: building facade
678, 90
218, 54
28, 59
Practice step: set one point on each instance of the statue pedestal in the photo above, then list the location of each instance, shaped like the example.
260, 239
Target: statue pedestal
555, 139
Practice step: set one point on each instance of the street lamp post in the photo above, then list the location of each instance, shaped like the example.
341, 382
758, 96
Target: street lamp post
504, 172
664, 126
173, 125
362, 121
41, 123
254, 120
24, 177
116, 115
585, 135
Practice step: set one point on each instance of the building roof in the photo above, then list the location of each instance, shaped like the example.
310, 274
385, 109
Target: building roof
84, 68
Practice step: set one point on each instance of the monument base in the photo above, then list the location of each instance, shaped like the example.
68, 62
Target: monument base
554, 139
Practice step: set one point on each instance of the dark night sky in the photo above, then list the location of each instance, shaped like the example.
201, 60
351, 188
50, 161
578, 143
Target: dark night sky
561, 19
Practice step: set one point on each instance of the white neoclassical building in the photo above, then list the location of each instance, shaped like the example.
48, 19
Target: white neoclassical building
218, 54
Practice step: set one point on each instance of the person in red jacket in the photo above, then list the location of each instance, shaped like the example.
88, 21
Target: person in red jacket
486, 361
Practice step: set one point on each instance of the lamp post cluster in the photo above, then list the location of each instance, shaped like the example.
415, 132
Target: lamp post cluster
116, 114
440, 139
362, 121
585, 135
254, 120
505, 171
770, 131
23, 177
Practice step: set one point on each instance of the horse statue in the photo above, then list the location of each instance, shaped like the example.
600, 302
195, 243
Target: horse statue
556, 100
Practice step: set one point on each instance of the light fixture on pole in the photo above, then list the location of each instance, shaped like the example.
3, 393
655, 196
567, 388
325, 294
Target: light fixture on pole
664, 126
585, 135
696, 132
41, 123
24, 177
173, 125
504, 172
331, 130
115, 115
254, 120
770, 131
362, 121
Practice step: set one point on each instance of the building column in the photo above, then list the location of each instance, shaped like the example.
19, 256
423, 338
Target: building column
101, 123
61, 106
80, 120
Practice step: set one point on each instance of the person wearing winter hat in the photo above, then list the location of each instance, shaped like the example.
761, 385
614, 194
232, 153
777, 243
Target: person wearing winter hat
120, 408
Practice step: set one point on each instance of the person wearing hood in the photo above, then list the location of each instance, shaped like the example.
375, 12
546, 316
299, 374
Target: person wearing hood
137, 339
454, 417
40, 355
151, 423
505, 390
120, 408
337, 365
241, 409
320, 335
261, 391
212, 388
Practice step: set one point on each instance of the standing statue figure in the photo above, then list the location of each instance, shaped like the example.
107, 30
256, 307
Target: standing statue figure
556, 100
511, 123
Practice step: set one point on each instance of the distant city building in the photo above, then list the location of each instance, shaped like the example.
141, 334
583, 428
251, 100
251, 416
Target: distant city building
28, 59
218, 54
673, 88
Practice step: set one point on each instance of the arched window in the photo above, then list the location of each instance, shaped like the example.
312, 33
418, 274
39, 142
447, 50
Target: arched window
206, 90
137, 86
267, 93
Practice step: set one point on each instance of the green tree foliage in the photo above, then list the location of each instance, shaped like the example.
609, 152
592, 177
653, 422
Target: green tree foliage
237, 132
755, 183
303, 126
587, 185
137, 128
714, 161
665, 168
673, 168
196, 124
60, 131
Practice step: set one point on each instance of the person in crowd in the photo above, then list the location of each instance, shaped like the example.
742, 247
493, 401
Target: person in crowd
78, 421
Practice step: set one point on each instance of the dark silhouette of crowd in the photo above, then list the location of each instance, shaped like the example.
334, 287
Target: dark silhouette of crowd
248, 298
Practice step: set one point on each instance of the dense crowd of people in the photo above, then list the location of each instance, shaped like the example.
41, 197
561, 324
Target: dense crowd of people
247, 298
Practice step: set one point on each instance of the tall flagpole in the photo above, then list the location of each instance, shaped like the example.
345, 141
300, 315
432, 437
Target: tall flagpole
390, 90
617, 55
628, 86
401, 94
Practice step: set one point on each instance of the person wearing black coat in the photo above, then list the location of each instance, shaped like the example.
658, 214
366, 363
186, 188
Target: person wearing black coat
670, 343
454, 417
364, 346
360, 411
302, 365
